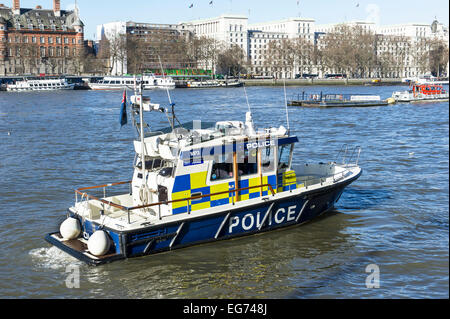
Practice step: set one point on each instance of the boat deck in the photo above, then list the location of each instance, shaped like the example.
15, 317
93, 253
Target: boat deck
78, 248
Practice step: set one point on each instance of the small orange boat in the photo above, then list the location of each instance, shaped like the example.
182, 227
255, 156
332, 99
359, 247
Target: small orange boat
421, 93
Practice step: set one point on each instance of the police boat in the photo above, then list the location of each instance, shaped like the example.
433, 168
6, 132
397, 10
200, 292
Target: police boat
199, 184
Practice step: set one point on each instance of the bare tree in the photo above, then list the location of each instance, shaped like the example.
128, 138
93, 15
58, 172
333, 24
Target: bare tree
231, 61
303, 54
349, 50
281, 57
438, 56
136, 50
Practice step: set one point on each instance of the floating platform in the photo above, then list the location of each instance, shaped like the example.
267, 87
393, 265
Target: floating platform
338, 100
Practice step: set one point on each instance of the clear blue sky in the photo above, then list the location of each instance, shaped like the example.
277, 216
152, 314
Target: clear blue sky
95, 12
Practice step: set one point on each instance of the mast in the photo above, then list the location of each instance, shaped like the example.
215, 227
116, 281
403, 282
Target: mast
141, 120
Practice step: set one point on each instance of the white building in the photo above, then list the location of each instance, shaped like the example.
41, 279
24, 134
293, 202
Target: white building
292, 27
253, 39
111, 31
227, 28
367, 26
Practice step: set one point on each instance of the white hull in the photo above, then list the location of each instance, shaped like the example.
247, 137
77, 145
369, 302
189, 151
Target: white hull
122, 83
211, 84
94, 86
70, 87
410, 97
40, 85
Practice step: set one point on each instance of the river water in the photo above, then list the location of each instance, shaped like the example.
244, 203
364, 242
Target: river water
393, 221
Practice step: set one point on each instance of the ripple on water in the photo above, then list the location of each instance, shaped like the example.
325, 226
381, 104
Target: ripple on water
395, 215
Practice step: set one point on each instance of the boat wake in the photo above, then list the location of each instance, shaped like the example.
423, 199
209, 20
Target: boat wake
51, 258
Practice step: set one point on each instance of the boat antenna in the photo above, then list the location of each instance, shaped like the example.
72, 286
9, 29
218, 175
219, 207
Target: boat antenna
141, 120
164, 76
172, 105
246, 97
286, 106
172, 120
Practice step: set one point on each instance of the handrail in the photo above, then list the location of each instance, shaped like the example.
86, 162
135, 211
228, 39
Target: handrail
344, 150
100, 186
128, 209
356, 149
102, 200
203, 196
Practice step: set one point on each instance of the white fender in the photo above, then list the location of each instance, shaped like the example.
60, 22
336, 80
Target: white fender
70, 228
99, 243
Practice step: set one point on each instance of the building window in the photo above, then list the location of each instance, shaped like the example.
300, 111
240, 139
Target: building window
33, 39
66, 40
42, 40
58, 40
50, 40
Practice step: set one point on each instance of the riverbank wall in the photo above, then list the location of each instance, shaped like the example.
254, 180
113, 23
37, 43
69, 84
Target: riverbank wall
319, 82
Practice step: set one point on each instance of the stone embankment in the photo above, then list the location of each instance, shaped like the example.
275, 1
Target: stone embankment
305, 82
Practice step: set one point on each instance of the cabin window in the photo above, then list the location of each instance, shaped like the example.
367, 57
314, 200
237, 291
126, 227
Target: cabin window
162, 194
151, 164
222, 168
267, 159
284, 155
247, 162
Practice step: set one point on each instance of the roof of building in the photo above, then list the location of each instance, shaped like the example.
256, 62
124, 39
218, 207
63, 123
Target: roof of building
38, 18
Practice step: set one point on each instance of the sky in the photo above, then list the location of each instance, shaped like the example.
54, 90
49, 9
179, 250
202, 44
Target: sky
384, 12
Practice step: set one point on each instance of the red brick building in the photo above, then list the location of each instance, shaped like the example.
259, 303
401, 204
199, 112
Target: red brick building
36, 41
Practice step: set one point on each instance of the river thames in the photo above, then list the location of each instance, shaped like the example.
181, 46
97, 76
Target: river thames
394, 218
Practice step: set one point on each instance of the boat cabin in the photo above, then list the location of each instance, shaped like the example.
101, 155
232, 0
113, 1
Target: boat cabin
198, 169
427, 89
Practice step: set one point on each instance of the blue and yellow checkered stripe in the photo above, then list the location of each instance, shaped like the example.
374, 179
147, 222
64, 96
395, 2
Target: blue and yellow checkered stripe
287, 181
185, 186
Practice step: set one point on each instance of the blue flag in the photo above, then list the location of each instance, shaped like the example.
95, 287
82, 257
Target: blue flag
123, 110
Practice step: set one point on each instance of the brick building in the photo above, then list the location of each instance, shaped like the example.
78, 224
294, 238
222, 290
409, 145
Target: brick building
40, 41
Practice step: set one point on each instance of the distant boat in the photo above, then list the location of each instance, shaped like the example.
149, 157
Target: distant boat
422, 93
338, 100
149, 82
40, 84
213, 84
426, 79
